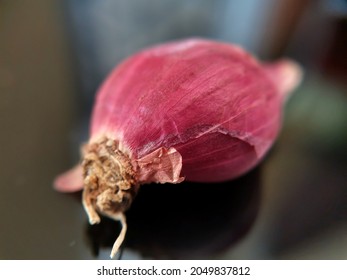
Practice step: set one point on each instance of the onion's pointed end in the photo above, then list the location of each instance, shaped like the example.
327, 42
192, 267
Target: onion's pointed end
70, 181
286, 74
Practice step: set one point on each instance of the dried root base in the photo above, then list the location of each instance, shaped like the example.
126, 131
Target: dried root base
109, 184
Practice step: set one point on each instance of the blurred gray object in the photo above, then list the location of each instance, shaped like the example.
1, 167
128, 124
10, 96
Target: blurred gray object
105, 32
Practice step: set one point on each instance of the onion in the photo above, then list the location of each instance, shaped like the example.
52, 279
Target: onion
195, 110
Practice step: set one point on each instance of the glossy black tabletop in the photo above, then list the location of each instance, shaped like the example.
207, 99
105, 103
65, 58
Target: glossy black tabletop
292, 206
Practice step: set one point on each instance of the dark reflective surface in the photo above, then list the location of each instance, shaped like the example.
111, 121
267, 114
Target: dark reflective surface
188, 220
295, 207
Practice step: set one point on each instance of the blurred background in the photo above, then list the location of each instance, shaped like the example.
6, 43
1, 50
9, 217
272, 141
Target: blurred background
53, 56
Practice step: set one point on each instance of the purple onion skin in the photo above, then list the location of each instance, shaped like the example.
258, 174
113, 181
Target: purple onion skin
214, 103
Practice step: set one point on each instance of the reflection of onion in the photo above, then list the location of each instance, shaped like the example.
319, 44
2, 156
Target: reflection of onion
186, 221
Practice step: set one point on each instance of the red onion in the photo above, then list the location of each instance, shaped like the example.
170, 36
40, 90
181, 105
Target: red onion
194, 109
